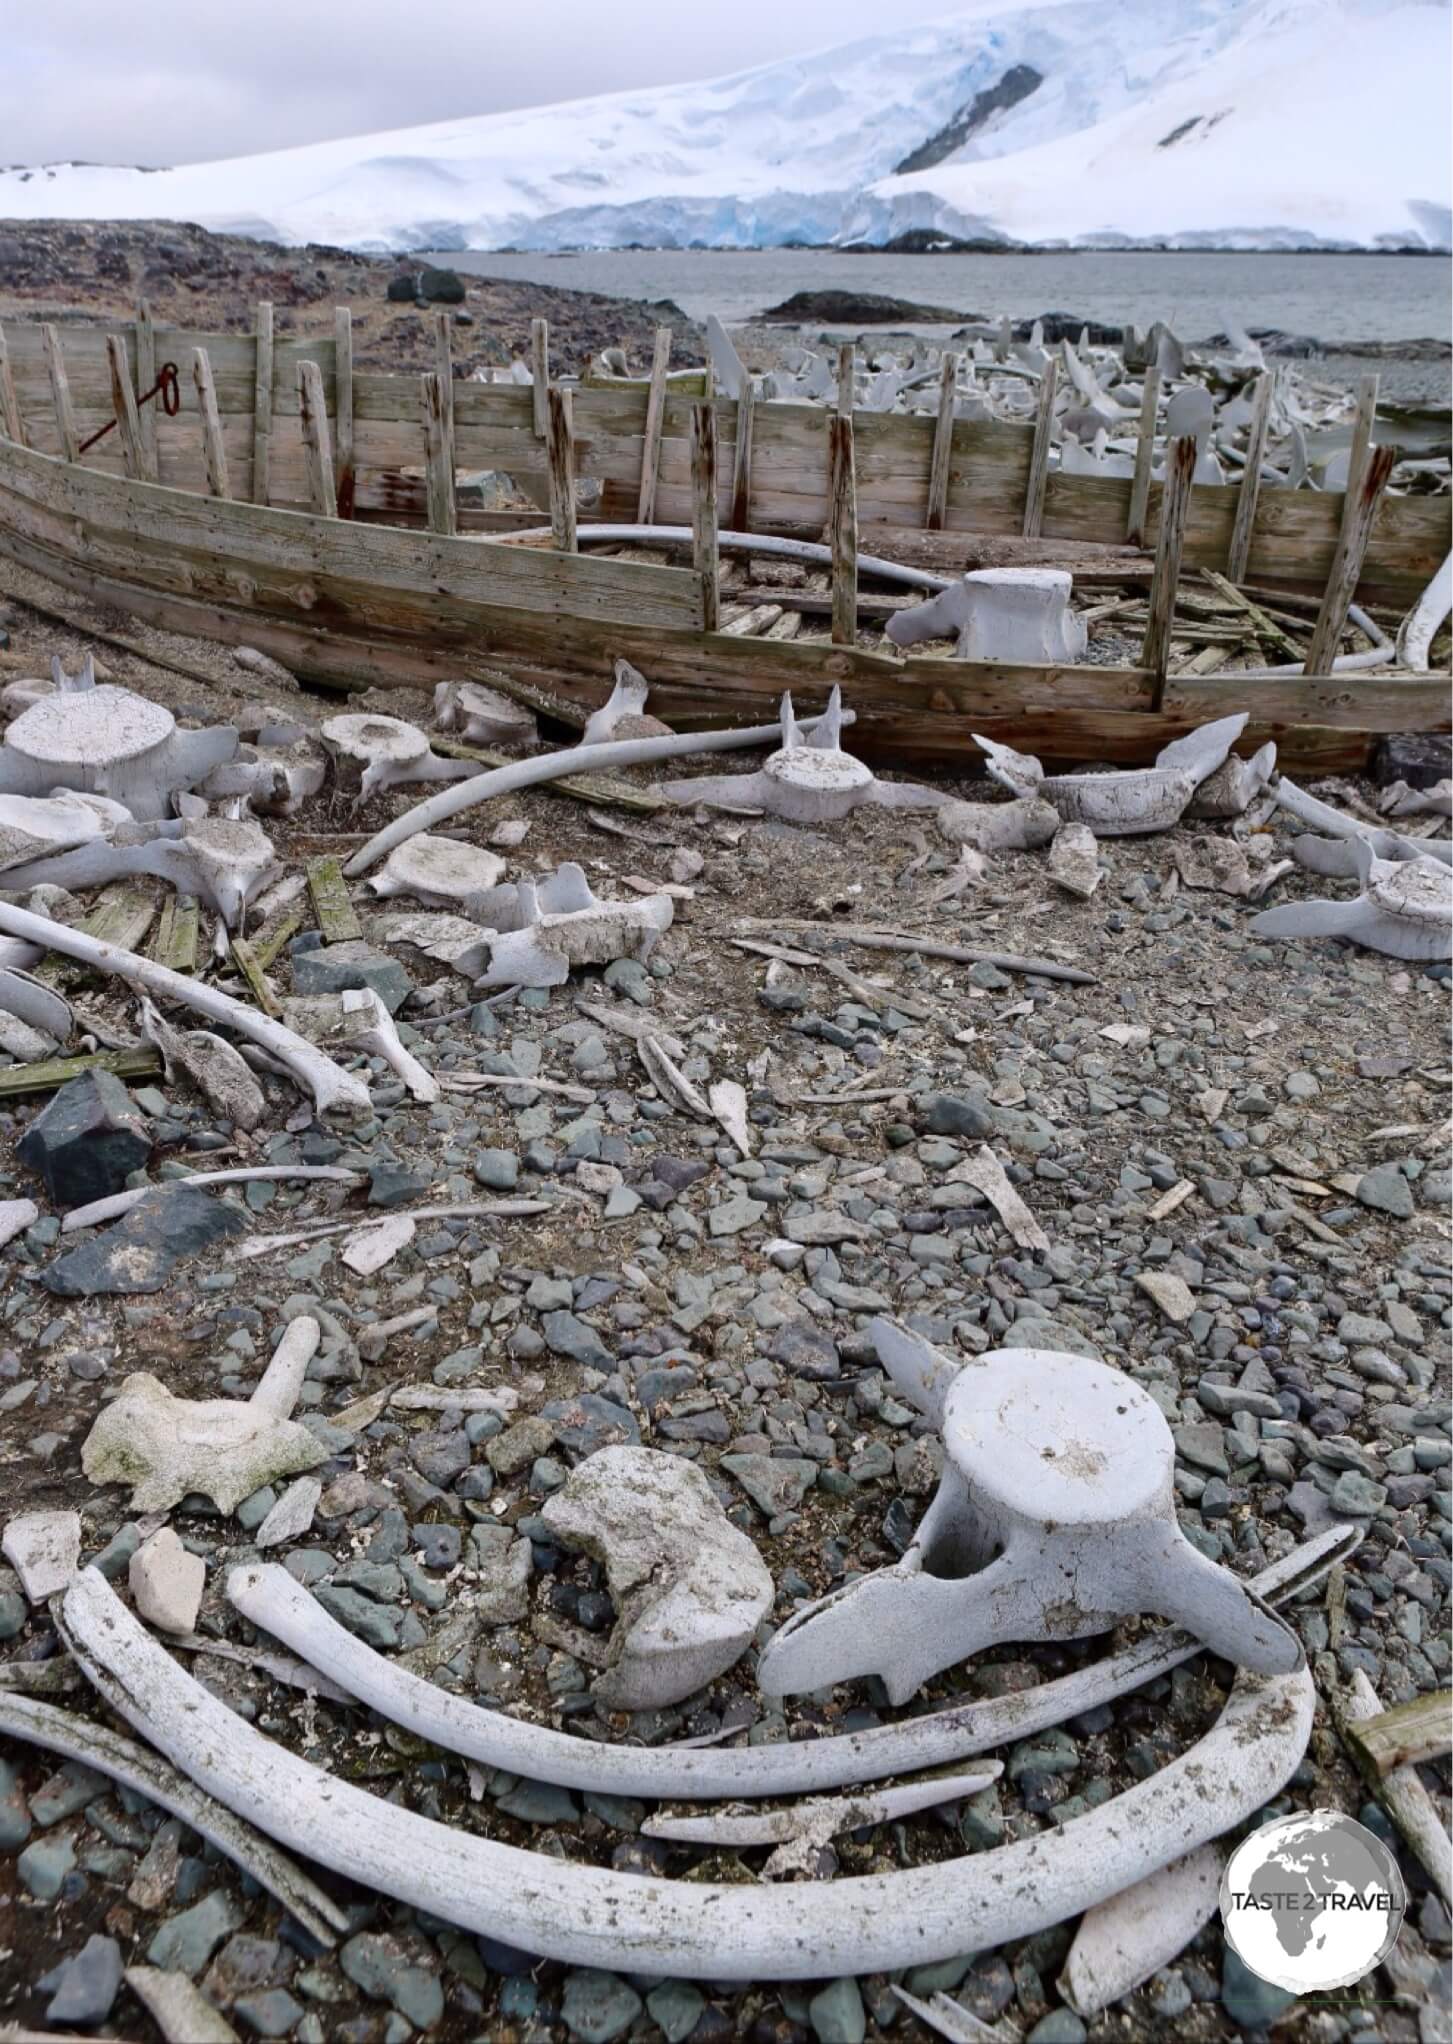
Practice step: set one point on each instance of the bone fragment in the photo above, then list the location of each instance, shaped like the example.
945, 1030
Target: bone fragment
1074, 861
219, 1072
43, 1548
117, 1203
1121, 1942
359, 1019
378, 1244
669, 1080
179, 2009
986, 1174
482, 716
1401, 1792
737, 1826
728, 1103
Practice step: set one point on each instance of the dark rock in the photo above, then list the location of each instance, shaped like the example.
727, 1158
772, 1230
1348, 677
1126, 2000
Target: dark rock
403, 290
441, 287
584, 1424
861, 308
568, 1335
1421, 758
87, 1141
140, 1253
337, 968
953, 1114
805, 1350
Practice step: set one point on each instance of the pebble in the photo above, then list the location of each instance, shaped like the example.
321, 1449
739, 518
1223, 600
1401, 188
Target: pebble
83, 1988
598, 2006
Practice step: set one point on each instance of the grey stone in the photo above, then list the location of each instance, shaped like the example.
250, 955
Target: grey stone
497, 1169
836, 2013
83, 1988
953, 1114
1386, 1191
336, 968
598, 2006
142, 1250
43, 1865
1249, 2000
585, 1424
87, 1140
1357, 1496
675, 2007
775, 1484
566, 1335
374, 1623
186, 1942
381, 1967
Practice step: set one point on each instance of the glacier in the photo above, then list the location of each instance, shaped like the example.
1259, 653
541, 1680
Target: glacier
1283, 124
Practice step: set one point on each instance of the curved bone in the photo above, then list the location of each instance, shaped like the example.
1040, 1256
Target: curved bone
1126, 803
1055, 1518
223, 1448
1401, 800
529, 773
329, 1085
359, 1018
32, 1002
820, 1817
1121, 1942
623, 714
117, 1203
1423, 622
272, 1600
808, 550
585, 1915
437, 870
275, 779
119, 1759
1387, 844
371, 752
109, 741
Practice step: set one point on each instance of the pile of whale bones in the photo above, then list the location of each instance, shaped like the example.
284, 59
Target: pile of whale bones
98, 783
1207, 393
1054, 1519
1029, 1537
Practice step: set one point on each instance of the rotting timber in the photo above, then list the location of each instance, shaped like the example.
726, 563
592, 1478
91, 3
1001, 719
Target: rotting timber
223, 522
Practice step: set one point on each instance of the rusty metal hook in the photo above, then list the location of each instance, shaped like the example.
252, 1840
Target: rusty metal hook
167, 387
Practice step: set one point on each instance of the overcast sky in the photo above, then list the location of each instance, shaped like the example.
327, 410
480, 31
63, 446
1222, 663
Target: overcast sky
166, 83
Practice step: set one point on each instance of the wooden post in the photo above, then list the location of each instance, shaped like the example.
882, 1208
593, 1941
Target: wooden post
1175, 503
741, 518
651, 437
560, 453
1357, 523
438, 456
12, 424
847, 371
145, 378
60, 391
704, 551
444, 366
540, 364
317, 443
943, 441
1144, 456
843, 528
1361, 439
261, 403
1039, 453
1250, 489
123, 401
343, 406
214, 453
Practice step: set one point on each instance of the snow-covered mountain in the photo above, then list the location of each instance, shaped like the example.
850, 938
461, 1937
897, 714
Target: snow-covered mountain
1245, 123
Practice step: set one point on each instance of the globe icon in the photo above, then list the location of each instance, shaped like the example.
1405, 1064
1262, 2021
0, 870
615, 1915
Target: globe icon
1312, 1901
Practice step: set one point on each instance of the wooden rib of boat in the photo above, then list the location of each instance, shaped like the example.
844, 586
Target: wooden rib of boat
223, 521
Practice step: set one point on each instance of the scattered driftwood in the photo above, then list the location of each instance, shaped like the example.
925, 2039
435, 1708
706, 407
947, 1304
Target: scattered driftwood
1400, 1791
1406, 1735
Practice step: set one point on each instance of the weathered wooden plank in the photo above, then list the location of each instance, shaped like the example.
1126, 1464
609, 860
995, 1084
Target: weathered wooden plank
651, 433
332, 907
123, 398
1144, 455
19, 1081
268, 944
540, 374
60, 393
120, 915
261, 401
175, 941
1250, 491
1408, 1734
245, 959
705, 558
1347, 561
444, 365
847, 375
438, 455
1033, 517
146, 368
1180, 466
12, 419
343, 408
214, 451
943, 441
741, 513
150, 522
560, 446
317, 444
843, 531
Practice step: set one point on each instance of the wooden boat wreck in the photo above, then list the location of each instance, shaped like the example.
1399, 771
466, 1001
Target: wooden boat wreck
291, 503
